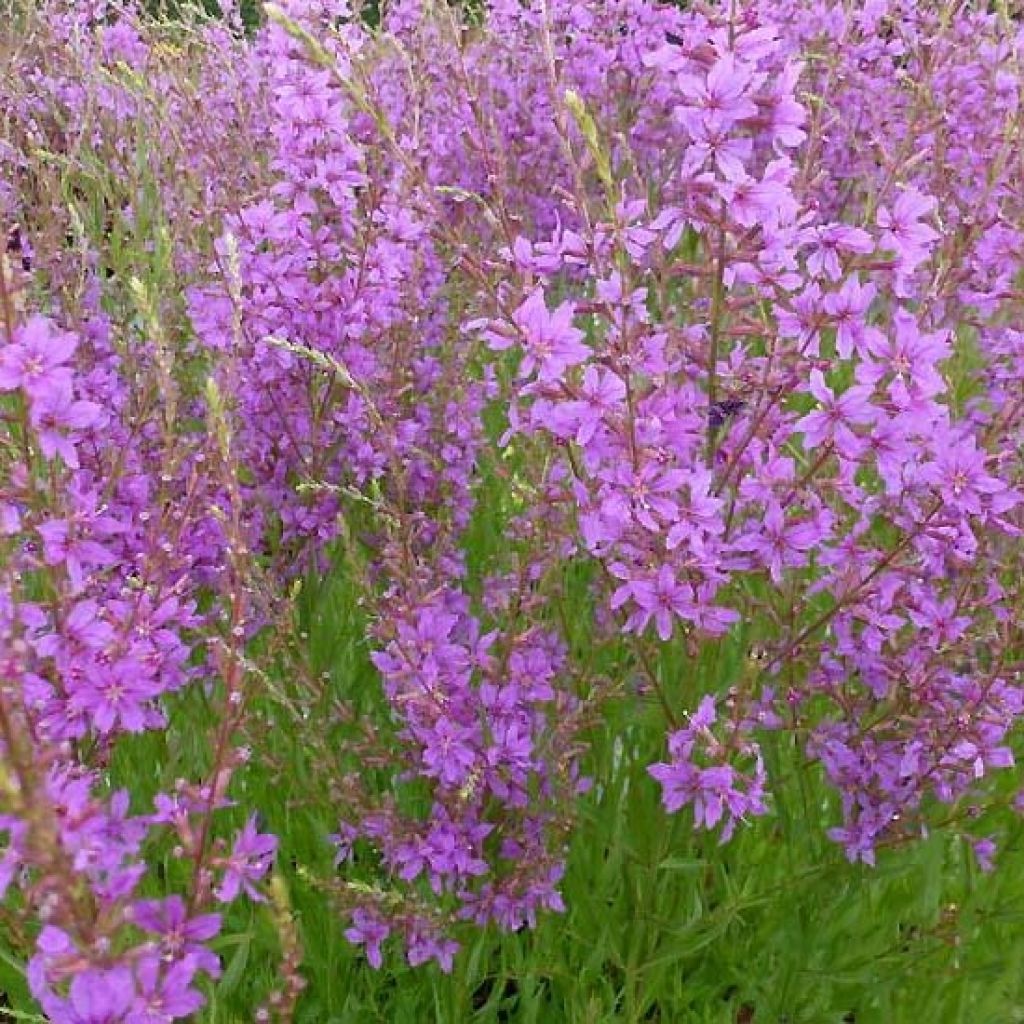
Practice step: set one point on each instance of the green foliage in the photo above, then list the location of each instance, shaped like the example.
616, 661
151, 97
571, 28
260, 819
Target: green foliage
250, 10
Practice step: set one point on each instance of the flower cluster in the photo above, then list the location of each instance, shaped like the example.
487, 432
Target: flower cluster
719, 301
718, 792
96, 615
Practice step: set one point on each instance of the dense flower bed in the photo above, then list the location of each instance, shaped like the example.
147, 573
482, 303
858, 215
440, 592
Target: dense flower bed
723, 302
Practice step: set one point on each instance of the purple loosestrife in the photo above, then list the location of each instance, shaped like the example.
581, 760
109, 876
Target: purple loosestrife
250, 859
98, 615
718, 793
735, 286
480, 728
784, 494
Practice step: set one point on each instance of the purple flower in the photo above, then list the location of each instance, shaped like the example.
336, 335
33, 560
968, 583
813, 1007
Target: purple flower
100, 997
602, 394
424, 943
35, 360
651, 491
450, 751
717, 791
181, 937
781, 542
903, 232
909, 355
165, 991
848, 309
829, 241
552, 345
984, 852
833, 421
368, 929
56, 415
660, 598
719, 99
752, 202
83, 629
115, 695
958, 473
251, 858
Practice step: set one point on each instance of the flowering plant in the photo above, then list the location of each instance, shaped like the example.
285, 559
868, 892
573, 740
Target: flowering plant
404, 415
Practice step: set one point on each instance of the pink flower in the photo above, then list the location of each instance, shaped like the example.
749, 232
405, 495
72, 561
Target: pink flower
35, 360
661, 598
368, 929
250, 860
719, 99
165, 991
180, 935
830, 240
602, 394
848, 309
833, 421
56, 416
903, 231
552, 345
958, 473
781, 543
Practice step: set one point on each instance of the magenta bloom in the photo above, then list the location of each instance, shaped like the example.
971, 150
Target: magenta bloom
165, 991
830, 241
100, 997
848, 309
114, 695
662, 598
35, 361
56, 416
958, 474
423, 944
717, 791
719, 99
833, 421
250, 860
602, 395
369, 930
84, 629
909, 355
551, 342
780, 542
180, 936
449, 754
903, 230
